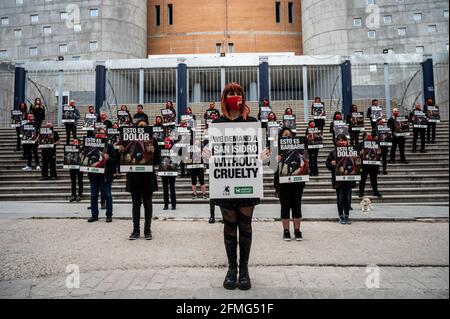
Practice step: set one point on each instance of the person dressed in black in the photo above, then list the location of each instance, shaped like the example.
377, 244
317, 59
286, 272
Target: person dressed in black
49, 156
76, 175
237, 214
22, 108
169, 106
72, 127
290, 199
368, 170
141, 186
38, 111
343, 188
431, 127
396, 140
169, 181
129, 119
140, 115
103, 182
211, 110
31, 149
375, 102
320, 123
384, 148
417, 131
354, 135
336, 117
313, 154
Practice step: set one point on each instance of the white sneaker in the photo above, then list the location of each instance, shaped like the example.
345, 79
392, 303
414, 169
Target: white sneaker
38, 168
26, 168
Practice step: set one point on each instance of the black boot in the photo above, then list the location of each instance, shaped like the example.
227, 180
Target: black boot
244, 250
230, 281
212, 218
147, 230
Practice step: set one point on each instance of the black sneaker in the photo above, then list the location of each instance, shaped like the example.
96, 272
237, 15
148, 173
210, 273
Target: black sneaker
45, 178
298, 235
212, 220
287, 235
361, 194
109, 219
414, 151
204, 196
385, 173
405, 162
423, 151
72, 199
173, 208
194, 196
134, 235
347, 220
377, 194
92, 219
342, 221
166, 208
148, 235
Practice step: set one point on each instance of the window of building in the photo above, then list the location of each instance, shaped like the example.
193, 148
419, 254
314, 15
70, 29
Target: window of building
370, 1
19, 2
417, 16
3, 54
420, 49
401, 31
5, 21
34, 18
94, 13
278, 12
387, 19
446, 14
170, 14
33, 51
76, 58
62, 48
93, 45
291, 12
230, 47
372, 34
157, 15
64, 15
357, 22
432, 28
218, 48
373, 68
77, 27
47, 30
18, 33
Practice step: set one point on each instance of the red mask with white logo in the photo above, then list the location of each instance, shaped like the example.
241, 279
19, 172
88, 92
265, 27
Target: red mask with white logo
234, 102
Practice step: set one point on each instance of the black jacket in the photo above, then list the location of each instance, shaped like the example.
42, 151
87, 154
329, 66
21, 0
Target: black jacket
144, 183
332, 169
140, 116
108, 176
236, 203
38, 113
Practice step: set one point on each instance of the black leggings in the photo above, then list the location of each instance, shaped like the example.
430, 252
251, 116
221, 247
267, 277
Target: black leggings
31, 150
234, 219
291, 199
75, 175
169, 182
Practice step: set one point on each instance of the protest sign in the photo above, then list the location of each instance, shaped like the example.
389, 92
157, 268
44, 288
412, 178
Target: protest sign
434, 115
319, 111
420, 120
89, 122
235, 166
357, 121
384, 134
123, 118
16, 118
289, 121
402, 126
29, 134
168, 117
348, 164
92, 158
137, 153
46, 138
264, 113
68, 115
293, 166
376, 113
371, 153
71, 157
315, 138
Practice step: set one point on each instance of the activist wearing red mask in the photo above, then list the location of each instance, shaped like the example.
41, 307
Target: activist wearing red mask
312, 125
233, 99
338, 117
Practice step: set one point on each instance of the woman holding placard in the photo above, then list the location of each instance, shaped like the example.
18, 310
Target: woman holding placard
237, 213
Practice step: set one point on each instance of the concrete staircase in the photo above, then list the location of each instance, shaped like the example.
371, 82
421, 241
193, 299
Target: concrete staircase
424, 180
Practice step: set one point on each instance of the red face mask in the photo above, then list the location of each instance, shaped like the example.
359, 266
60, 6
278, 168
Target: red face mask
72, 104
99, 135
91, 110
271, 118
396, 114
417, 107
76, 143
342, 143
370, 138
234, 102
312, 125
289, 112
338, 117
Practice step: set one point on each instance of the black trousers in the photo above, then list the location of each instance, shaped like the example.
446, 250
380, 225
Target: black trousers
28, 149
354, 138
431, 132
400, 142
76, 175
313, 168
344, 198
48, 161
138, 199
384, 154
416, 133
372, 171
169, 181
18, 138
70, 128
291, 199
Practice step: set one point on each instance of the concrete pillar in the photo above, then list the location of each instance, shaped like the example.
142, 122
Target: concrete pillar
428, 81
141, 86
197, 93
60, 95
182, 89
387, 90
253, 91
19, 86
100, 87
264, 89
347, 94
305, 93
